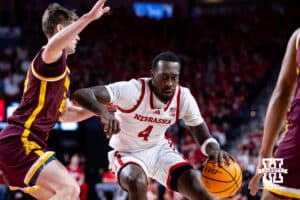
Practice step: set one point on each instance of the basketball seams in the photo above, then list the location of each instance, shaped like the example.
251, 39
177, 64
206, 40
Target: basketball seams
233, 178
227, 187
216, 179
234, 175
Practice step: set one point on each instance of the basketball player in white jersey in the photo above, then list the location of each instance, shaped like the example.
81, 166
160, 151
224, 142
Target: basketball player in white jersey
145, 109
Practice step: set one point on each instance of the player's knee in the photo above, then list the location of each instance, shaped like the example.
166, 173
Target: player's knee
133, 179
71, 190
135, 183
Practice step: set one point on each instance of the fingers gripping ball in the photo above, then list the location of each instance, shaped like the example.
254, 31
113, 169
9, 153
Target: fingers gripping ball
221, 181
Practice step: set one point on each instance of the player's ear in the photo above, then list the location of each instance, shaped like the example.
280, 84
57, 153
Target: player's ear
152, 73
58, 28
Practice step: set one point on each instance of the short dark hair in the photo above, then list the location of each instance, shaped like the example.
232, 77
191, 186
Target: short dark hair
56, 14
166, 56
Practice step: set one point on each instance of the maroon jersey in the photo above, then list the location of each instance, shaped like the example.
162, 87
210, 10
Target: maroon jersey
46, 89
293, 115
288, 148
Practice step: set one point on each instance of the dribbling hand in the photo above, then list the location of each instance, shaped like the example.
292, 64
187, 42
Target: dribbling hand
219, 156
98, 10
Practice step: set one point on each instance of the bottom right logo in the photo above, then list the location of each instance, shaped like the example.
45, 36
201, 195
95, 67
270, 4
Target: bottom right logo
272, 169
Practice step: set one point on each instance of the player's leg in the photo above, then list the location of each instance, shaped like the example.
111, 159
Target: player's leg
42, 194
131, 172
189, 185
55, 177
173, 171
267, 195
133, 179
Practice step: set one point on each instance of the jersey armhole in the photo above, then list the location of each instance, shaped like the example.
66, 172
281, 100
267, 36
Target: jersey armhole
38, 61
48, 79
138, 102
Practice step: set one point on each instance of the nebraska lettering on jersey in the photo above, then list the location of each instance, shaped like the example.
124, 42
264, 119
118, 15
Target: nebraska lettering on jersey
151, 119
144, 125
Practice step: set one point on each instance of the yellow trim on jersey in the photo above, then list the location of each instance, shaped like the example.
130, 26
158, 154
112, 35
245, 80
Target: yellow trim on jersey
50, 79
281, 192
297, 41
297, 71
39, 152
67, 83
41, 102
30, 145
37, 165
27, 190
286, 128
64, 102
26, 83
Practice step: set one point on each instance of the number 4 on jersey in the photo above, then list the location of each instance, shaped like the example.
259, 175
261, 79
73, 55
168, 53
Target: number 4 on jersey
145, 133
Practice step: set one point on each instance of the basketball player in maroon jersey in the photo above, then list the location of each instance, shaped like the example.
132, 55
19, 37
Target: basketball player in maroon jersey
281, 104
24, 158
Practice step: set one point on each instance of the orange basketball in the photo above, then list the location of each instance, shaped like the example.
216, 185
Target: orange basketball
221, 181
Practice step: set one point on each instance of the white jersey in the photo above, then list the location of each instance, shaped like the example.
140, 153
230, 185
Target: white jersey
143, 118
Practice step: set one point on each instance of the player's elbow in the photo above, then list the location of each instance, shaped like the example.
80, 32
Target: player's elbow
282, 93
64, 118
78, 95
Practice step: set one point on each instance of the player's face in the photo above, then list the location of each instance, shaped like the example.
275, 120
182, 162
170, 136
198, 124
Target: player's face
71, 47
165, 79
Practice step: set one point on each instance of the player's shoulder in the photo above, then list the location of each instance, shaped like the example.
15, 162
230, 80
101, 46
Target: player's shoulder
184, 91
140, 82
137, 82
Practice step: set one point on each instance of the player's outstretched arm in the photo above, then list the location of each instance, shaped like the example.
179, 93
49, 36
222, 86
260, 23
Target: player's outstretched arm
59, 41
190, 113
278, 106
209, 146
93, 99
73, 113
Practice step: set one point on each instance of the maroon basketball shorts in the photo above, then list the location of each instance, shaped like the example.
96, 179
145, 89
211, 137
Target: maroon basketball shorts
22, 157
286, 181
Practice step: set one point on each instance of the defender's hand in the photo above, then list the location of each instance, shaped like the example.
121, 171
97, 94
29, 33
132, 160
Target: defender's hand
254, 182
98, 10
111, 124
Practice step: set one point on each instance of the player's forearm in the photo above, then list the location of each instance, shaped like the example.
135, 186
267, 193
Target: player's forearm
86, 98
201, 134
276, 113
64, 37
75, 114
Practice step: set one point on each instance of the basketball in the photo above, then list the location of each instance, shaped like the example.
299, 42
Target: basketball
221, 181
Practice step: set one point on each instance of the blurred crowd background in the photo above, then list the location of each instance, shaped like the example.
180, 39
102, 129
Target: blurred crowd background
231, 52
